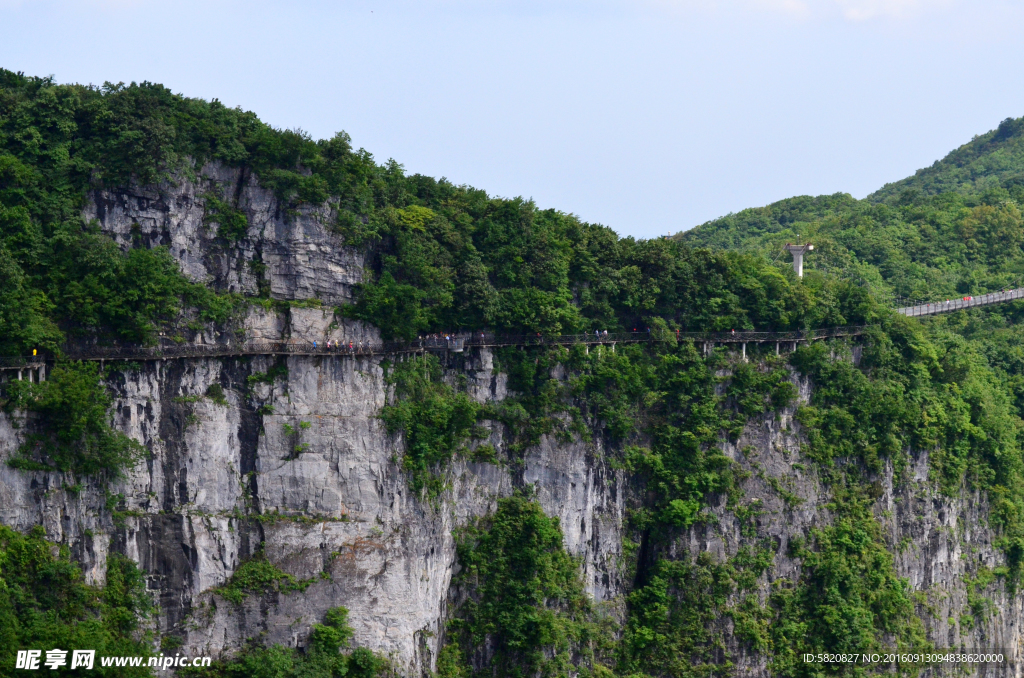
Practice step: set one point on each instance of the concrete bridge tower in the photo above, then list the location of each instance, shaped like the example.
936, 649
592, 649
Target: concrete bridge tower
798, 252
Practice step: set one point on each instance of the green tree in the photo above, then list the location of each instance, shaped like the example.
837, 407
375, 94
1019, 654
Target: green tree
74, 433
526, 602
45, 604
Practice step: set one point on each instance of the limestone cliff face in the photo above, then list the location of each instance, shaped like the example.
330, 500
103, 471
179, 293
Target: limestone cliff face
301, 257
223, 479
938, 541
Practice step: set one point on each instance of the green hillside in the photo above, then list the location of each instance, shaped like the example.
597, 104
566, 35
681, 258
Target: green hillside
443, 257
952, 229
989, 161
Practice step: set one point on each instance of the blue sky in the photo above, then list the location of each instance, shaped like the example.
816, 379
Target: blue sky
649, 116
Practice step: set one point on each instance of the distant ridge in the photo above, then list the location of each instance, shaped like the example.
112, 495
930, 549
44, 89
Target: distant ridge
988, 161
952, 229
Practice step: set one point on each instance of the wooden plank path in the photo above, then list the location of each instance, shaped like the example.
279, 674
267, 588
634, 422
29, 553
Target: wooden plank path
461, 341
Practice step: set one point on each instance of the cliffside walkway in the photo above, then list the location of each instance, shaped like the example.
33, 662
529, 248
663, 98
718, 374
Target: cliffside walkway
459, 342
456, 343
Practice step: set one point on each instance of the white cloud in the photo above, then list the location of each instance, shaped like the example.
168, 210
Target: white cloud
793, 7
851, 10
862, 10
99, 4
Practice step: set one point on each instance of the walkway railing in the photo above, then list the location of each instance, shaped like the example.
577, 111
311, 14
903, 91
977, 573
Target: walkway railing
459, 342
964, 302
15, 362
731, 337
449, 343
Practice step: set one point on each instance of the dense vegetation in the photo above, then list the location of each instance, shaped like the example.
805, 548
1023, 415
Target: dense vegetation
938, 388
75, 434
951, 230
58, 275
988, 161
849, 599
525, 612
951, 386
663, 408
45, 604
435, 420
445, 256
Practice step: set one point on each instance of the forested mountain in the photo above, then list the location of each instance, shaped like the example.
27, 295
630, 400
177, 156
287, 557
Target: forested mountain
656, 509
989, 161
951, 229
445, 257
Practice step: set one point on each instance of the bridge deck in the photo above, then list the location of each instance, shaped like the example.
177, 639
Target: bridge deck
957, 304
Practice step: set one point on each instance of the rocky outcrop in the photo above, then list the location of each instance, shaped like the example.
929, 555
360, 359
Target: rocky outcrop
292, 251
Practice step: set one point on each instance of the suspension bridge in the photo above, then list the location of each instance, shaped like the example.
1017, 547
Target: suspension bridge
949, 305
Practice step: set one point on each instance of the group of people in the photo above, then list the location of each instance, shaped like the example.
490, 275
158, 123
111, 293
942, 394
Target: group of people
339, 346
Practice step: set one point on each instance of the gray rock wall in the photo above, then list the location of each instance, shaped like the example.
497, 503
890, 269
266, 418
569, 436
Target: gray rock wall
938, 541
304, 259
223, 479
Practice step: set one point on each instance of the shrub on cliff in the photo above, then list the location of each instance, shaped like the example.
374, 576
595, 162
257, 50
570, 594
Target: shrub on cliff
434, 418
72, 430
525, 612
325, 656
46, 604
